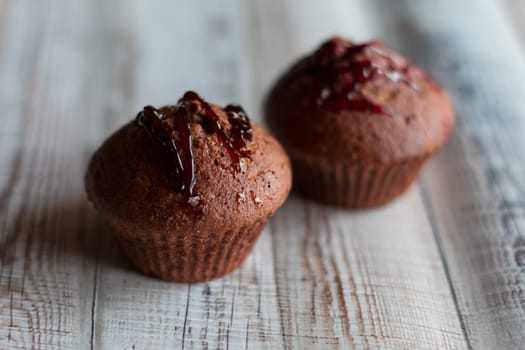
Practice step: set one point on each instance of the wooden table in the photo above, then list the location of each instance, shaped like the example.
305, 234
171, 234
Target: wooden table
443, 267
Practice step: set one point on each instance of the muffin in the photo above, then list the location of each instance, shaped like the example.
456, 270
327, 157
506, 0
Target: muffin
358, 122
187, 188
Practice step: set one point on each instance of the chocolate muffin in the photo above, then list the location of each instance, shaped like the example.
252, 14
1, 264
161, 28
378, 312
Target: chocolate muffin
358, 122
187, 188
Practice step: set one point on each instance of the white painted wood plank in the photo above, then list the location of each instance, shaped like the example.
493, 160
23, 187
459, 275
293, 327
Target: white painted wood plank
346, 281
515, 11
180, 46
49, 90
474, 188
366, 279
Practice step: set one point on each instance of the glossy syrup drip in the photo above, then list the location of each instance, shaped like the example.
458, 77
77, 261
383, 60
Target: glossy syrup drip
179, 167
240, 131
171, 130
338, 59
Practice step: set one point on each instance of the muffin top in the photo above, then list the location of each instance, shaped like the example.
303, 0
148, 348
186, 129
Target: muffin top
360, 103
190, 165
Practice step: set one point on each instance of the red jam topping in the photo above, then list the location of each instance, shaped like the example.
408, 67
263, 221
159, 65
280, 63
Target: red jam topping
341, 70
171, 130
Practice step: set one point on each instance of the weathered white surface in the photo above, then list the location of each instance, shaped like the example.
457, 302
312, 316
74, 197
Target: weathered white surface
473, 190
440, 268
515, 11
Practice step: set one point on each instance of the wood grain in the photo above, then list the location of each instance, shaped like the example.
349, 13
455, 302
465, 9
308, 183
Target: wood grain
46, 80
440, 268
133, 311
473, 190
335, 277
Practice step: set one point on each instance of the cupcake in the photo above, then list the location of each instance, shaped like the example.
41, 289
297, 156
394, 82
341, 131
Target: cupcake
358, 122
187, 188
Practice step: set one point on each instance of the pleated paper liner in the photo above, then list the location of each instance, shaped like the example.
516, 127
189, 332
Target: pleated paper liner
356, 186
190, 258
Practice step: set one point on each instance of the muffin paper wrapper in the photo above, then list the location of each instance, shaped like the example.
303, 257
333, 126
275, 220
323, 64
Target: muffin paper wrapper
190, 258
356, 186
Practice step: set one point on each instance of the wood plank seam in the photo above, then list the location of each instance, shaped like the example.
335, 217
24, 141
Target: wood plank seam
283, 319
94, 301
186, 316
432, 221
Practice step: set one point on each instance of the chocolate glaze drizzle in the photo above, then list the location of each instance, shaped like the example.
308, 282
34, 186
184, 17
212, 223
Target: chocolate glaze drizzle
339, 59
170, 128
